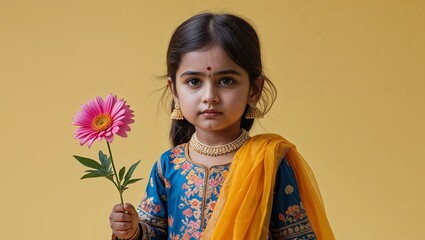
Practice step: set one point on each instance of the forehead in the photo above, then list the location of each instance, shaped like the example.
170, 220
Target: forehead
214, 58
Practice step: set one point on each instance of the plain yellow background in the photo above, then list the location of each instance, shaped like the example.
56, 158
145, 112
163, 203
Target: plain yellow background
351, 82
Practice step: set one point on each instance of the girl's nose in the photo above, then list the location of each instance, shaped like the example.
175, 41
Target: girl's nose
210, 94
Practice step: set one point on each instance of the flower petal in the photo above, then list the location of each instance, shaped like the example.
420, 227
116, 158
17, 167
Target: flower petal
120, 113
109, 103
117, 108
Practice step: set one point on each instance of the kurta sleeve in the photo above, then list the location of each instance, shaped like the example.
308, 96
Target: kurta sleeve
153, 207
288, 220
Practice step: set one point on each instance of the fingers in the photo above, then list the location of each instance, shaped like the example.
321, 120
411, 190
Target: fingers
128, 208
124, 220
124, 234
119, 214
124, 230
118, 208
121, 226
120, 217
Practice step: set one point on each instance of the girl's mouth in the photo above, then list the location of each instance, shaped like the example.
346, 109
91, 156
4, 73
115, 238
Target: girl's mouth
210, 113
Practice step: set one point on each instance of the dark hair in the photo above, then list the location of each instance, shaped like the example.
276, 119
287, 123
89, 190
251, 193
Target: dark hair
238, 39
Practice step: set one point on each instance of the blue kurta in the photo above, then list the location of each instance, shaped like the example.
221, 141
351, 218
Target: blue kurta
181, 195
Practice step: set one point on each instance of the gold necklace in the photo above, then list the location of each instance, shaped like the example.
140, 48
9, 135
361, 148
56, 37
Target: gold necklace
214, 151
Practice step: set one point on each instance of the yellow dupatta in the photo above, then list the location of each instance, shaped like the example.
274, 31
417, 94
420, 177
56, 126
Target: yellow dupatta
243, 208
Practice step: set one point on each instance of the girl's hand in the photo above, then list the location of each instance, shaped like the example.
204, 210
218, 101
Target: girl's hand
124, 221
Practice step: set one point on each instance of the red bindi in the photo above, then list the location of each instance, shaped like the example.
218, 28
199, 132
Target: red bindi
209, 69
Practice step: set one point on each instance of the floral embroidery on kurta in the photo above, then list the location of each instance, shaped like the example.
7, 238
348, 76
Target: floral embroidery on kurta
181, 196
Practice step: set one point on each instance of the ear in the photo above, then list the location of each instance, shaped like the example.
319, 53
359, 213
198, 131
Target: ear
172, 88
256, 89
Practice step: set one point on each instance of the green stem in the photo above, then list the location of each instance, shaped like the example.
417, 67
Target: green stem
115, 173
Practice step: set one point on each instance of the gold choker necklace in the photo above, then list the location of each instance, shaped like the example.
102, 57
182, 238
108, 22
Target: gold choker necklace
214, 151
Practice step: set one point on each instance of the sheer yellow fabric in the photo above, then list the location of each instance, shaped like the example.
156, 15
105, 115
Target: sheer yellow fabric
244, 205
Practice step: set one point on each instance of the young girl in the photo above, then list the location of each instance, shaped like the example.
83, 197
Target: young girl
217, 182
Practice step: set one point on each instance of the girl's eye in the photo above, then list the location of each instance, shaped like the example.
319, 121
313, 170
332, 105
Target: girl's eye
193, 82
227, 81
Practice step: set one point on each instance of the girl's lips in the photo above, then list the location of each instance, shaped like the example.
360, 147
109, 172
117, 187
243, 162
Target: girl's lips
210, 113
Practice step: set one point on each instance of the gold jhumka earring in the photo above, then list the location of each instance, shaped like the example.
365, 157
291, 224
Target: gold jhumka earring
253, 112
177, 112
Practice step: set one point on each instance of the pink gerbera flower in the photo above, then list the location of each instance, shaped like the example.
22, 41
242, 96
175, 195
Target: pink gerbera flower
100, 119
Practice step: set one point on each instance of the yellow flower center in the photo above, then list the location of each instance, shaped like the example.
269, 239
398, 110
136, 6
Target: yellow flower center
101, 122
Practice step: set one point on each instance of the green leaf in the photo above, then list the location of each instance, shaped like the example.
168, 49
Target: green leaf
122, 189
130, 171
104, 160
121, 173
88, 162
108, 164
133, 181
108, 173
92, 175
110, 177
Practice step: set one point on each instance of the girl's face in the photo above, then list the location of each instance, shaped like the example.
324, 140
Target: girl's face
212, 90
